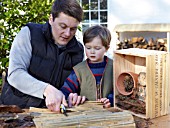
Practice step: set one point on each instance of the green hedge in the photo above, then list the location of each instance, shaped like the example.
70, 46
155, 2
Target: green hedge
15, 14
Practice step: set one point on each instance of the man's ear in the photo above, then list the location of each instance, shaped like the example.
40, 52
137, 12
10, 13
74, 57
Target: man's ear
50, 19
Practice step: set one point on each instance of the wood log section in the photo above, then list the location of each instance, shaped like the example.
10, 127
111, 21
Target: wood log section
10, 109
12, 116
140, 42
142, 79
141, 91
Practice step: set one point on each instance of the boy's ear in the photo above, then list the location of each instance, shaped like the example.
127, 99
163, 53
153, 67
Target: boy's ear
107, 48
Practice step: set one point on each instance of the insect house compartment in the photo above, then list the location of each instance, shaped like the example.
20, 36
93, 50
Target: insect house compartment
141, 82
143, 36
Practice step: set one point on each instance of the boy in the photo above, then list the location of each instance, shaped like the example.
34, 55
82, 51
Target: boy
93, 78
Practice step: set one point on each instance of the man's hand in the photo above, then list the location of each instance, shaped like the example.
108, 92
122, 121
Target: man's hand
54, 98
74, 99
106, 102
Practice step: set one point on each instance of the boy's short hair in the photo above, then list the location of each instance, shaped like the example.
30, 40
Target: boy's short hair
69, 7
95, 31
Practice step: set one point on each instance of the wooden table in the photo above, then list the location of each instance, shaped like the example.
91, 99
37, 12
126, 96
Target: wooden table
83, 116
160, 122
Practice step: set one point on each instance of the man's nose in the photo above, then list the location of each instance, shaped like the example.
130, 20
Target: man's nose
67, 32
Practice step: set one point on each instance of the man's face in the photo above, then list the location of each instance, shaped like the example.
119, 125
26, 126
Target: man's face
63, 28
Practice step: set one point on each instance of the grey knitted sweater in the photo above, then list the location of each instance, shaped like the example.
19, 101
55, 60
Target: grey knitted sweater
19, 61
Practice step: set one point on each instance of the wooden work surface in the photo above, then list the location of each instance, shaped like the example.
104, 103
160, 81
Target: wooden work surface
160, 122
93, 109
29, 118
83, 116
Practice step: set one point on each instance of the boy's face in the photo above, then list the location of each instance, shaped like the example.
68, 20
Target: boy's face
95, 50
63, 28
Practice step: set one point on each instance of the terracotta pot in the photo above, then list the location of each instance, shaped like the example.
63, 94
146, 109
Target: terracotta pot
120, 82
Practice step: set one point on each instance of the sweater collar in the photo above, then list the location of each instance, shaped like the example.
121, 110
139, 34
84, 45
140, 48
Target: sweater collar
105, 60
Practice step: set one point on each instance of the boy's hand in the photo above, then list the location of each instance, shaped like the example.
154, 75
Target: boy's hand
106, 102
75, 100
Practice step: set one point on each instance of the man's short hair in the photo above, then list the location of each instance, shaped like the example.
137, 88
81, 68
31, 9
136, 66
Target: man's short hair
69, 7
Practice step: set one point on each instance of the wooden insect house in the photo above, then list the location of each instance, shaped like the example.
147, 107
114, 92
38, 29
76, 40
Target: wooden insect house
142, 82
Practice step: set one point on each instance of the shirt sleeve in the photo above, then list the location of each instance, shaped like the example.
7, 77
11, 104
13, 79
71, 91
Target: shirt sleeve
71, 85
19, 61
110, 97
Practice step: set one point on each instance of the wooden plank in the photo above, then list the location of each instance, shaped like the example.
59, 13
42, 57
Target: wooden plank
98, 118
165, 27
167, 95
86, 115
164, 85
138, 52
149, 90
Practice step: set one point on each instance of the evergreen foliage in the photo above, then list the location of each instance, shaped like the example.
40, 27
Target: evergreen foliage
14, 14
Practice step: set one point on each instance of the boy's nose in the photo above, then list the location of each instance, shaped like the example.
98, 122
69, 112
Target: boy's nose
92, 50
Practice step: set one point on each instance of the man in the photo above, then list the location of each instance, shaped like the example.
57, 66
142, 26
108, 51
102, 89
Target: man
41, 58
